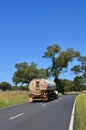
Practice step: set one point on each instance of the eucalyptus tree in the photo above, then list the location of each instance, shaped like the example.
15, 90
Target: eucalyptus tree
80, 69
59, 59
26, 72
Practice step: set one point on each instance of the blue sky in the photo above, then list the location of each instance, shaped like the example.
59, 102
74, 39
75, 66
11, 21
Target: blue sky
27, 27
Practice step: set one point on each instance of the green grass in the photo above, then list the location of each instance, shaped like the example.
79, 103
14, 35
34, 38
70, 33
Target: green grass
81, 112
12, 98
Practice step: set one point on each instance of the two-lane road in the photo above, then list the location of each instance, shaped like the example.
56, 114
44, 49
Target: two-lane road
53, 115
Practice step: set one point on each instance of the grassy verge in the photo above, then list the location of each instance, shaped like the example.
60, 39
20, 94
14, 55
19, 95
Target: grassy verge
73, 92
81, 112
12, 98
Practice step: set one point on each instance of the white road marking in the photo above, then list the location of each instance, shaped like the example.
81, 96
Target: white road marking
72, 117
16, 116
44, 104
55, 100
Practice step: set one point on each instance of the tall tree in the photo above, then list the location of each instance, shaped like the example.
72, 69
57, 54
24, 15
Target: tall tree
60, 59
25, 73
80, 69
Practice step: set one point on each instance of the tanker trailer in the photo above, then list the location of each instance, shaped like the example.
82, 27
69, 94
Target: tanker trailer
42, 90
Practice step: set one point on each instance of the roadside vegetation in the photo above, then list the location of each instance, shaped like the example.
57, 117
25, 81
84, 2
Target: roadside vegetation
81, 112
8, 98
60, 60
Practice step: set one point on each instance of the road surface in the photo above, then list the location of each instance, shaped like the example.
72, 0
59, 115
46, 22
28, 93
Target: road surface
53, 115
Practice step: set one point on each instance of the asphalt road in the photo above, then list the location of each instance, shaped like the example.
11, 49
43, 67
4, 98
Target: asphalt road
53, 115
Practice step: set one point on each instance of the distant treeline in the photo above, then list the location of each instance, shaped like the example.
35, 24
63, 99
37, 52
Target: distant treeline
7, 86
63, 86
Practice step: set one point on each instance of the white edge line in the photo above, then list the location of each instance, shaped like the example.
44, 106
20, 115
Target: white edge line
72, 116
16, 116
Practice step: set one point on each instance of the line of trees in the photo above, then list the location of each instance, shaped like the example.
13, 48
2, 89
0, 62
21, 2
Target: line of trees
59, 63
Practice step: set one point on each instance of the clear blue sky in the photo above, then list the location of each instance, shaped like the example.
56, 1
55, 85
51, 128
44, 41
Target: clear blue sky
27, 27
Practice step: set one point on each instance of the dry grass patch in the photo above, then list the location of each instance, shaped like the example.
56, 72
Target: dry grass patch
13, 97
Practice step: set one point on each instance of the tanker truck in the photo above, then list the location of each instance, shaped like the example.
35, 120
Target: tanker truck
42, 90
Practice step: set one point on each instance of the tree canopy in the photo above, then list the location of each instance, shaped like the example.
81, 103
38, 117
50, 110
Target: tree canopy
5, 86
25, 73
59, 58
80, 69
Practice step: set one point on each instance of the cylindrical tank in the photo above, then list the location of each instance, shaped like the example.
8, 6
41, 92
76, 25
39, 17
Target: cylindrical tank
41, 84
